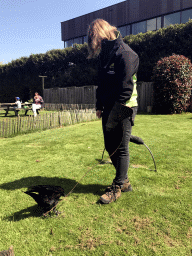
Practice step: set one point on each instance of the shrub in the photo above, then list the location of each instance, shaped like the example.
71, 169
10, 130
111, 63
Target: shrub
172, 77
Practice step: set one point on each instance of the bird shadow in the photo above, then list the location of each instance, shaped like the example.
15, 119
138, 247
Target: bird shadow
66, 183
32, 211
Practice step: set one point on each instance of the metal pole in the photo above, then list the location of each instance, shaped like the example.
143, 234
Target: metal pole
43, 84
43, 81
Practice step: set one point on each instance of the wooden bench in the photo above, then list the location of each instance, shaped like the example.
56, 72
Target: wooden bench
16, 110
26, 110
9, 107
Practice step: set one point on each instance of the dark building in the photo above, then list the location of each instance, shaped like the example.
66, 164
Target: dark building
131, 17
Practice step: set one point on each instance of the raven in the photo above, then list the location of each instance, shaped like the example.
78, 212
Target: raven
46, 196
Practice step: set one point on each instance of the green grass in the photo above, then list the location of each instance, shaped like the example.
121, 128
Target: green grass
154, 219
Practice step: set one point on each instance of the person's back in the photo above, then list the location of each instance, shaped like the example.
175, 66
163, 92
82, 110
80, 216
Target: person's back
18, 102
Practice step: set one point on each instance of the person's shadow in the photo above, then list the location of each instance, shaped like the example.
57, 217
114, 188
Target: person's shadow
65, 183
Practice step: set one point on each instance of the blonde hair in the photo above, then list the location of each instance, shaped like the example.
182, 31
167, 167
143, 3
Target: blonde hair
98, 30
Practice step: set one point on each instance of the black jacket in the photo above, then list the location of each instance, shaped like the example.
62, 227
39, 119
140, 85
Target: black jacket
117, 65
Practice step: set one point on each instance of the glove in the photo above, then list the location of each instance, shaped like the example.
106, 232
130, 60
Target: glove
118, 113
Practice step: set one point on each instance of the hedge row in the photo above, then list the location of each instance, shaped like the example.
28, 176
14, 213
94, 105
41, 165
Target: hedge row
21, 77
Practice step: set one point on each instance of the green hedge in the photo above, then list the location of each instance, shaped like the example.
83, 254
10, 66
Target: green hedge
21, 77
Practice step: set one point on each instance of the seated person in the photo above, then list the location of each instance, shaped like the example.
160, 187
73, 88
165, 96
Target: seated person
38, 101
17, 102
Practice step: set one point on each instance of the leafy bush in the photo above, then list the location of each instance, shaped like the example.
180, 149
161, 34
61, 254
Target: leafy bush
172, 77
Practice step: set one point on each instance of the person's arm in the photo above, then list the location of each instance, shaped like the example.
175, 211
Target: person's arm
41, 100
127, 66
99, 92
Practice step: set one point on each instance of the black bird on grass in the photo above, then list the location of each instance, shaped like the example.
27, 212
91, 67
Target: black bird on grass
46, 196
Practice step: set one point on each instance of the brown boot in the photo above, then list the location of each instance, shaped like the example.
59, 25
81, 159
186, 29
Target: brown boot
126, 186
111, 194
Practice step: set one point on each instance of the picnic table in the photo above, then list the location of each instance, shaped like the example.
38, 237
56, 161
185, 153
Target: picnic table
12, 107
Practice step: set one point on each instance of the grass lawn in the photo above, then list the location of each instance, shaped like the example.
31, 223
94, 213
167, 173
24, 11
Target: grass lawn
154, 219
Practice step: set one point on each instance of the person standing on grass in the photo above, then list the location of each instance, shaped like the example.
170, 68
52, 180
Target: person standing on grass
38, 101
117, 68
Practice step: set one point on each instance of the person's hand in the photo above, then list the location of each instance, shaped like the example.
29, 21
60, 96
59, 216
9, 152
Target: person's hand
98, 113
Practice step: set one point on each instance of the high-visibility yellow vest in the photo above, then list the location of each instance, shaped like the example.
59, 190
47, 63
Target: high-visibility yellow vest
132, 102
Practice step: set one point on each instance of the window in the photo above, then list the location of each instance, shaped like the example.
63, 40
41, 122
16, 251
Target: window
186, 15
128, 29
85, 39
158, 23
151, 25
68, 43
172, 19
123, 31
140, 27
154, 24
78, 40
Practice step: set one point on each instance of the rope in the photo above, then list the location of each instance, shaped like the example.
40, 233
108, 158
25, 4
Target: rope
140, 142
83, 177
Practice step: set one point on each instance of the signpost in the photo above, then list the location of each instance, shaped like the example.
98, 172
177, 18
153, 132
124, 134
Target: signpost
43, 81
43, 77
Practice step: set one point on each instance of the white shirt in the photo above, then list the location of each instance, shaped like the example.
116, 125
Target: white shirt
18, 103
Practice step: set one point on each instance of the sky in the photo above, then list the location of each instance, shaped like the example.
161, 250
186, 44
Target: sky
34, 26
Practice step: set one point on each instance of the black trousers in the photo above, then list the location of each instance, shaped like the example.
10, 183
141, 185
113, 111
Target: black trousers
117, 145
